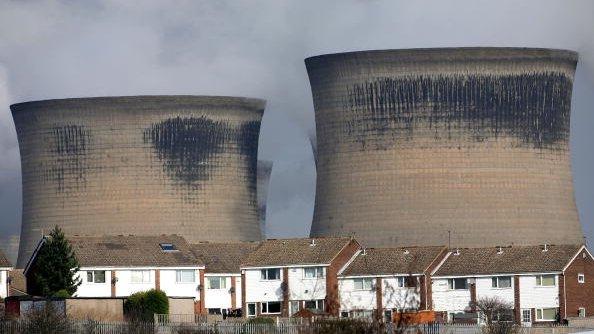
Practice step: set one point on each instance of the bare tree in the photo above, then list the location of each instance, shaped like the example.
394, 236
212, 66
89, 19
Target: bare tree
497, 314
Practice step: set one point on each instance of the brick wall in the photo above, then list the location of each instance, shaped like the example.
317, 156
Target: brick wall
426, 282
517, 310
579, 294
332, 297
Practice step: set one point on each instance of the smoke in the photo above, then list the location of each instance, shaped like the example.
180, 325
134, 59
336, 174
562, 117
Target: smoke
56, 49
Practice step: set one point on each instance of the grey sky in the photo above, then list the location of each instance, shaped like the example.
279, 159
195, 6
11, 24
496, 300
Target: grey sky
58, 49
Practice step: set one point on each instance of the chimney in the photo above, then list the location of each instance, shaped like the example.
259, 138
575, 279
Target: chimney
312, 242
457, 252
406, 251
545, 248
364, 251
499, 250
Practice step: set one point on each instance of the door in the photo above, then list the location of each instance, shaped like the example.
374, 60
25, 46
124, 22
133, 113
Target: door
526, 317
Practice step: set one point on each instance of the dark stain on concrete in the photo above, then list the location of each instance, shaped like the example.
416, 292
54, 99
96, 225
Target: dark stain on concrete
533, 108
68, 145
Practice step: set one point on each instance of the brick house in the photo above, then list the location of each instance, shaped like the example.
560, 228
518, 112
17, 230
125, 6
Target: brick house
282, 277
542, 284
118, 266
5, 269
221, 280
380, 281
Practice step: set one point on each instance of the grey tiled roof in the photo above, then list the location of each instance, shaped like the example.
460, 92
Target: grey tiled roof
4, 261
132, 251
389, 261
515, 259
280, 252
223, 257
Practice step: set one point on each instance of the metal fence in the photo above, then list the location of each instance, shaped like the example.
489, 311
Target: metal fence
92, 327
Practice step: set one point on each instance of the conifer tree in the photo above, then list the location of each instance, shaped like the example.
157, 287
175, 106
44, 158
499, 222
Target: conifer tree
54, 268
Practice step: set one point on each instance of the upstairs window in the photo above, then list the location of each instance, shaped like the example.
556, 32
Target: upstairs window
313, 272
96, 276
216, 283
363, 283
458, 283
501, 282
545, 280
185, 276
140, 276
582, 312
272, 274
581, 278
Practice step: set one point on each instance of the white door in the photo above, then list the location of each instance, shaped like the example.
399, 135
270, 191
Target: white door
526, 317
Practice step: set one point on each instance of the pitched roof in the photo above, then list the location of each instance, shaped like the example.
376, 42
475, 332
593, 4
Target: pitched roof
284, 252
223, 257
4, 263
18, 283
133, 251
389, 261
513, 259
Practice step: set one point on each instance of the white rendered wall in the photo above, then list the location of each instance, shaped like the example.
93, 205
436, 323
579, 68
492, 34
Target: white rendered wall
532, 296
394, 297
351, 299
90, 289
302, 288
168, 283
124, 287
485, 289
258, 290
238, 294
445, 299
217, 298
3, 286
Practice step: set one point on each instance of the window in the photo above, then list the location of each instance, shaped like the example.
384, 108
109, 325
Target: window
251, 309
582, 312
363, 283
166, 247
545, 280
214, 283
401, 282
546, 314
213, 311
185, 276
581, 278
294, 307
140, 276
458, 283
271, 307
96, 276
388, 316
314, 304
362, 314
527, 316
313, 272
501, 282
270, 274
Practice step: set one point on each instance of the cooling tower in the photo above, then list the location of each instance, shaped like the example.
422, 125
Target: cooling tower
143, 165
467, 146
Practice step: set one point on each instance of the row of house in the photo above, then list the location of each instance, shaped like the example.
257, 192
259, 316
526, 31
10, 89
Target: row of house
338, 277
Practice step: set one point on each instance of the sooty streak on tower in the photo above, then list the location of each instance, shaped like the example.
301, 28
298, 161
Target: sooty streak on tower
412, 144
143, 165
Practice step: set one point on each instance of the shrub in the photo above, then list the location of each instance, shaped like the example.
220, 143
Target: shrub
143, 305
45, 319
62, 294
345, 326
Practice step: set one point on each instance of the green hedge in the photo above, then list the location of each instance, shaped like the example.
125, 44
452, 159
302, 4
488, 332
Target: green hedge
143, 305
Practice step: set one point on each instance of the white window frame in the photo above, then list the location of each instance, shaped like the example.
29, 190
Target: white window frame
144, 274
539, 281
265, 274
268, 306
222, 282
581, 312
318, 272
452, 283
179, 276
581, 278
93, 275
319, 304
401, 281
527, 312
540, 313
366, 284
495, 279
248, 309
292, 308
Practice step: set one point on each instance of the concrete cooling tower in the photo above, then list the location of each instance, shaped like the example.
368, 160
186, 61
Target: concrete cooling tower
467, 147
142, 165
